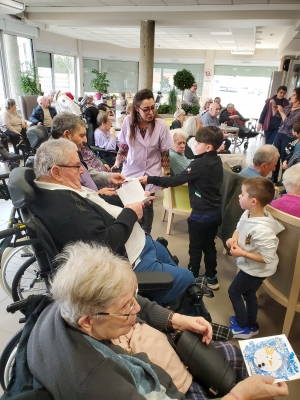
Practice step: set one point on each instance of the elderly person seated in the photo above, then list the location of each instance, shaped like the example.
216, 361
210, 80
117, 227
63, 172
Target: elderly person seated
112, 339
290, 202
12, 123
105, 134
229, 115
179, 118
178, 160
207, 102
264, 162
71, 212
50, 96
43, 114
191, 126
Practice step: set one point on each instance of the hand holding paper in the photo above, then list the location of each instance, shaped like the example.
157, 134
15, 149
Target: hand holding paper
132, 192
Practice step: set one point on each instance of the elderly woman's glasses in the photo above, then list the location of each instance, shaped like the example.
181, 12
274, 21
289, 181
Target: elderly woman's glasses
146, 110
123, 315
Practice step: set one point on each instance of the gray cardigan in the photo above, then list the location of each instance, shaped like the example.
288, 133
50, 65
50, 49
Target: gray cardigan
70, 368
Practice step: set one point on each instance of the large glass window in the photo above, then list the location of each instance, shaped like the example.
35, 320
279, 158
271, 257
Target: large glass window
44, 64
64, 73
2, 88
123, 75
88, 66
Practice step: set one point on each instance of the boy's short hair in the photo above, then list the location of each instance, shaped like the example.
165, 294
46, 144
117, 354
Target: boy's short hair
210, 135
261, 189
296, 127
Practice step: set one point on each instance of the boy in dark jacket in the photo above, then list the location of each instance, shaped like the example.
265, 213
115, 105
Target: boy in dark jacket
204, 177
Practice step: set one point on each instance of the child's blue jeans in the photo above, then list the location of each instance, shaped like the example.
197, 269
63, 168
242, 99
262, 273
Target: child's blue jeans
244, 288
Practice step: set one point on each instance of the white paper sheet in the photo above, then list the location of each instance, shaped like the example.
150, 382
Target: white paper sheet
132, 192
271, 356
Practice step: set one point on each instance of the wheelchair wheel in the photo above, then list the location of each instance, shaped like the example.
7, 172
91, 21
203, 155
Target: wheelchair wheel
7, 359
28, 281
11, 261
246, 144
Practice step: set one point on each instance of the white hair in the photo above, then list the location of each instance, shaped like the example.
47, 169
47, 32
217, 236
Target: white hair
52, 152
89, 279
265, 154
40, 98
291, 179
49, 93
190, 126
175, 133
179, 112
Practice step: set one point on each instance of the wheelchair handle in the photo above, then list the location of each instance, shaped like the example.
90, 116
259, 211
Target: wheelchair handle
15, 230
6, 233
18, 305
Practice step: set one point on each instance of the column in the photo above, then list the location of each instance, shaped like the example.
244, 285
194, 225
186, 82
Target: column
208, 78
146, 54
79, 69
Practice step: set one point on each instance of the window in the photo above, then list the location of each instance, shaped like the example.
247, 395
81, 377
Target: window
44, 64
123, 75
88, 66
64, 73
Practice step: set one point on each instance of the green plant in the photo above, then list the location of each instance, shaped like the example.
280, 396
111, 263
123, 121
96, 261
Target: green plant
187, 108
164, 109
183, 79
114, 96
195, 109
29, 80
172, 100
100, 83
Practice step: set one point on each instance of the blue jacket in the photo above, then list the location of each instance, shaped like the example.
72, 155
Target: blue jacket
37, 114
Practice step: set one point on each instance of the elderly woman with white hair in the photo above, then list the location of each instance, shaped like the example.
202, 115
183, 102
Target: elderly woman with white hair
178, 160
264, 162
191, 126
179, 118
206, 104
99, 340
290, 202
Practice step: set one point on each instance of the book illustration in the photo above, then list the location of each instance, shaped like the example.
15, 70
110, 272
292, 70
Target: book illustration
272, 356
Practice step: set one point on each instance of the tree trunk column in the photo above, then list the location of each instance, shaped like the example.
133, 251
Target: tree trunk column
146, 54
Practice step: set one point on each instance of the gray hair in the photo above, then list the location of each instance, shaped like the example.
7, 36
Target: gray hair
39, 99
265, 154
49, 93
179, 112
291, 179
52, 152
90, 278
65, 122
9, 103
102, 117
190, 126
175, 133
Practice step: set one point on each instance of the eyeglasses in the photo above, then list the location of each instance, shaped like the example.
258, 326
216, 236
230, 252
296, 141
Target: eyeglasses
147, 109
123, 315
77, 167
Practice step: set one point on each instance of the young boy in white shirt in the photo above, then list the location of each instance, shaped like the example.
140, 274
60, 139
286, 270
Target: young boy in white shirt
254, 244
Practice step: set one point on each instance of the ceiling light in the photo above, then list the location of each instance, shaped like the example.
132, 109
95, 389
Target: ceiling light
245, 52
225, 41
259, 31
221, 33
12, 5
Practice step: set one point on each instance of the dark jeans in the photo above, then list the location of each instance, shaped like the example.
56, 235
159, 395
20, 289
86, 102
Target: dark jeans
270, 135
244, 288
202, 240
280, 142
148, 215
15, 139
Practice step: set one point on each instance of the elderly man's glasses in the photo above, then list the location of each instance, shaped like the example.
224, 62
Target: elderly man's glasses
131, 305
146, 110
76, 167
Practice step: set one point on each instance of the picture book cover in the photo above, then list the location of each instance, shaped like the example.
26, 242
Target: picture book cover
272, 355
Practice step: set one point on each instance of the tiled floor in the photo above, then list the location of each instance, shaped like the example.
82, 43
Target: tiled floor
270, 316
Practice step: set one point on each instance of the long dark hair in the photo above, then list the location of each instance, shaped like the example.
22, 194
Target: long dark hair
297, 91
144, 94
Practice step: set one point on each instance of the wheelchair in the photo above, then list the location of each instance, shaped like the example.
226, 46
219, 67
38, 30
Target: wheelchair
247, 132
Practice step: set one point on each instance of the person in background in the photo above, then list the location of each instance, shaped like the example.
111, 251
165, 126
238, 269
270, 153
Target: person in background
290, 202
218, 100
123, 116
50, 96
43, 114
105, 134
144, 144
158, 99
264, 161
191, 126
178, 161
123, 102
293, 149
254, 244
190, 96
229, 115
270, 118
206, 104
12, 123
290, 115
179, 118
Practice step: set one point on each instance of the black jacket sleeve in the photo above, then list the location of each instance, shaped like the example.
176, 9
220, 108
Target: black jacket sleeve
263, 114
190, 174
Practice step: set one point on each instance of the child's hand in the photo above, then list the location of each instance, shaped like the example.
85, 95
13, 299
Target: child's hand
231, 242
144, 180
236, 251
284, 165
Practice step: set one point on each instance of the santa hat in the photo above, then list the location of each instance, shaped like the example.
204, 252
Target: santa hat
69, 94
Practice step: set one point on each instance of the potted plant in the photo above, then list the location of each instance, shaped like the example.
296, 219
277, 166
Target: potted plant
29, 80
172, 100
183, 79
99, 83
114, 99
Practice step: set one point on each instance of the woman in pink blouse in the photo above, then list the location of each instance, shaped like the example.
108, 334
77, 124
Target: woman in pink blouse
144, 144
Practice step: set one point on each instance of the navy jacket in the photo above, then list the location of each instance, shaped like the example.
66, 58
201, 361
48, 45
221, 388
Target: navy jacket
37, 114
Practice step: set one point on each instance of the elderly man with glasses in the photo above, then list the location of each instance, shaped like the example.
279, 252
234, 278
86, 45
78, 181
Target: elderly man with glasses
72, 212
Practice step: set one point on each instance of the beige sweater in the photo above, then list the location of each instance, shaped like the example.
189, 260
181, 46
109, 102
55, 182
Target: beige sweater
10, 121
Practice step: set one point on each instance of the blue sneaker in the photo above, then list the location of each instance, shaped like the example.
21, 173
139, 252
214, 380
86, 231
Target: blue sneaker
254, 329
241, 333
233, 320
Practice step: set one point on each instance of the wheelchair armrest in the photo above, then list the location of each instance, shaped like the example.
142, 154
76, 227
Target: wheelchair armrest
95, 148
4, 176
151, 280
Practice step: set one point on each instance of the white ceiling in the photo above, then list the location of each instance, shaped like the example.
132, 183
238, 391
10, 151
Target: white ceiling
180, 24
